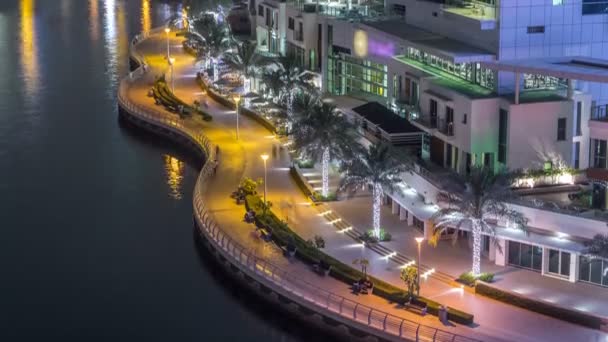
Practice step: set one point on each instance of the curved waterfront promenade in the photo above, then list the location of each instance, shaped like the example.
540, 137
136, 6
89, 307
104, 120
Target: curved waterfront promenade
220, 224
290, 286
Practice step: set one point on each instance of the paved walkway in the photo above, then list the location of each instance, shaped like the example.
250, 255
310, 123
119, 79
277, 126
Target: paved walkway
456, 259
496, 321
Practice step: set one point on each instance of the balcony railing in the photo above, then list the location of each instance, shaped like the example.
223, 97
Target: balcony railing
479, 10
599, 113
446, 127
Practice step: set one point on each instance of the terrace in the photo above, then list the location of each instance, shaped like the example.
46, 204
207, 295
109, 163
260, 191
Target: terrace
449, 81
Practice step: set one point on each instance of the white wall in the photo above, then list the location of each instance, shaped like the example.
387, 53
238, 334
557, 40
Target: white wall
532, 133
420, 13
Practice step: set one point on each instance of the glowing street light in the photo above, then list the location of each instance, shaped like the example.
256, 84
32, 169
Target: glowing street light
167, 30
419, 241
237, 99
265, 158
171, 62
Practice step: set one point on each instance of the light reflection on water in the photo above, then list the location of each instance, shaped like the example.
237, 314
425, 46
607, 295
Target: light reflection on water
175, 175
94, 19
28, 48
146, 22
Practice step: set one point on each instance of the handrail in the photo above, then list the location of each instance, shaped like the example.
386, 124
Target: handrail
272, 275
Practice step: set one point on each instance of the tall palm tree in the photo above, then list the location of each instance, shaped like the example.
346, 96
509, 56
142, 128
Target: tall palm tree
216, 41
379, 168
273, 82
244, 59
294, 78
482, 201
318, 130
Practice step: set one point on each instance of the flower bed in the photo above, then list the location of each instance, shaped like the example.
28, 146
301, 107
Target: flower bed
282, 235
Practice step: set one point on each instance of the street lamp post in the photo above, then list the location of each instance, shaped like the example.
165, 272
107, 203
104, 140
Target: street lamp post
171, 62
237, 99
167, 30
265, 158
419, 241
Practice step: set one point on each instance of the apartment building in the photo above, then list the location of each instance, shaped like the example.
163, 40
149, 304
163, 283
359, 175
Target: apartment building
513, 84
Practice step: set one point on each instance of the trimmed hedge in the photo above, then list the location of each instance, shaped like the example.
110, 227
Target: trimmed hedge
544, 308
163, 94
282, 234
227, 103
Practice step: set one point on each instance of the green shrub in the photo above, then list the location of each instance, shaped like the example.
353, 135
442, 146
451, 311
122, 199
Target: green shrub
283, 235
305, 163
370, 237
487, 277
469, 279
165, 96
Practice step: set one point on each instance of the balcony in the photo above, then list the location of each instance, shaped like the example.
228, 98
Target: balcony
447, 128
298, 36
475, 11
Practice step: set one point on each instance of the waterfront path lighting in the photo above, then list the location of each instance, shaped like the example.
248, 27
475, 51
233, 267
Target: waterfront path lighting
237, 99
265, 158
171, 62
167, 31
419, 241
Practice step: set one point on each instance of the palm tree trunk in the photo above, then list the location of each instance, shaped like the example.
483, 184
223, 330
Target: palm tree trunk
215, 70
325, 172
377, 203
476, 248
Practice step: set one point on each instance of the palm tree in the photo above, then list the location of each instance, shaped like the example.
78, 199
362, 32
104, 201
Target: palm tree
244, 59
294, 78
216, 41
273, 82
379, 168
598, 246
318, 130
482, 201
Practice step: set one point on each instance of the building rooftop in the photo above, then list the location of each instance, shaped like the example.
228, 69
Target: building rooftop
385, 118
576, 68
450, 49
447, 80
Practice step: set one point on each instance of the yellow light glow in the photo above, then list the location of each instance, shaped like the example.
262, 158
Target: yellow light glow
94, 19
28, 48
175, 175
167, 30
419, 239
171, 60
146, 21
264, 157
360, 43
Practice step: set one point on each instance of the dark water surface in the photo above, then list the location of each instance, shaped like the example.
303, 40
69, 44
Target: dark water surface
96, 236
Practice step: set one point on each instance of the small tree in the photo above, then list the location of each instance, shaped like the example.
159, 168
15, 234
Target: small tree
409, 275
250, 186
363, 263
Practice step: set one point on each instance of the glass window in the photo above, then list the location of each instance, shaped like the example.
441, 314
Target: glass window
514, 253
599, 153
503, 117
553, 261
565, 264
537, 258
594, 7
583, 273
596, 271
526, 256
561, 129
